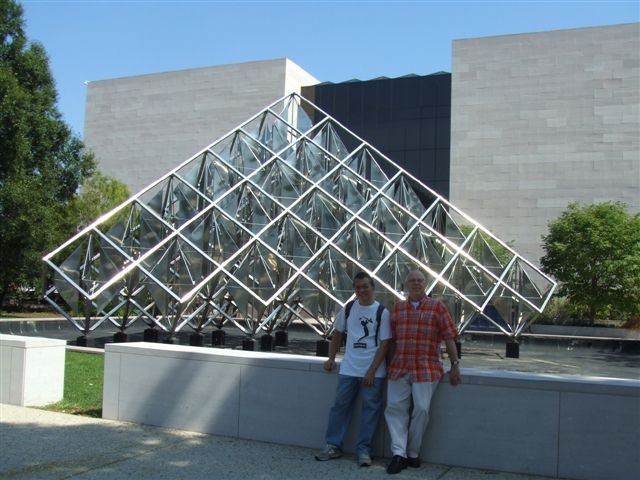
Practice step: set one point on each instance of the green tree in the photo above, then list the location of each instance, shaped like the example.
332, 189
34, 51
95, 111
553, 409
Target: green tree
42, 162
594, 253
98, 194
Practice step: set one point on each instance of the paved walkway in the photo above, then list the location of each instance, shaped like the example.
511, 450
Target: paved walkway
38, 444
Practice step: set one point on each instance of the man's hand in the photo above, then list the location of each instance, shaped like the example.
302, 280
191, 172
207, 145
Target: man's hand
455, 378
369, 377
329, 364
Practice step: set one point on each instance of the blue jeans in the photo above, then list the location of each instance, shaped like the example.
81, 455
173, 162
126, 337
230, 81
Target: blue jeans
342, 410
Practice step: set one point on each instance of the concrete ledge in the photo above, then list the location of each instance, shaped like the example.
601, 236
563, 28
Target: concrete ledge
253, 395
558, 426
31, 370
554, 425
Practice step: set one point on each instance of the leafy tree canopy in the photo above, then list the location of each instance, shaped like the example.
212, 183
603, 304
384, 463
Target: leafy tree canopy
43, 163
98, 195
594, 253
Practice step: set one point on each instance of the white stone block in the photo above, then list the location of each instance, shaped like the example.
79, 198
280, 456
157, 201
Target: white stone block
31, 370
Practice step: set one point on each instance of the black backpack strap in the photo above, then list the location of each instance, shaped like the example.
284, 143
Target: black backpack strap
378, 320
347, 311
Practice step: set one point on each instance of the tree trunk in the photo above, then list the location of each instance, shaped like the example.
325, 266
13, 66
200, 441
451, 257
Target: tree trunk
3, 292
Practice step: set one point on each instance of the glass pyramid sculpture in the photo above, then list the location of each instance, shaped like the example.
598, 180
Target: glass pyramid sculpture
269, 224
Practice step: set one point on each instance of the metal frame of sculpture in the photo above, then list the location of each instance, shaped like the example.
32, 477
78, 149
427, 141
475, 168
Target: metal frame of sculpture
269, 224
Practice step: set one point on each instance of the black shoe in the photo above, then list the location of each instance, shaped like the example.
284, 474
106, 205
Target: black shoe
413, 462
397, 464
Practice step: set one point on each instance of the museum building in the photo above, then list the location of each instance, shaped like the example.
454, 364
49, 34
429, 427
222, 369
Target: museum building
523, 125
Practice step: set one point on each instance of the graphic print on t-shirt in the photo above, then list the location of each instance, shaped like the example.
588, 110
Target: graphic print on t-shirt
361, 346
364, 322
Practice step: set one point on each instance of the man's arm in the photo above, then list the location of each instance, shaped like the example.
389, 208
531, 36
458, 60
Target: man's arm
391, 351
380, 356
452, 351
334, 347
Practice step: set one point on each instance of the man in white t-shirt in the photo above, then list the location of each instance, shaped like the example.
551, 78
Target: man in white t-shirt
362, 369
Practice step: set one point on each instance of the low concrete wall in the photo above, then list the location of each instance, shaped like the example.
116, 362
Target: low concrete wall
559, 426
578, 331
31, 370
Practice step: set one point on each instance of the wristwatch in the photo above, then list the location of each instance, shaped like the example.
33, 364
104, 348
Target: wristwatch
456, 363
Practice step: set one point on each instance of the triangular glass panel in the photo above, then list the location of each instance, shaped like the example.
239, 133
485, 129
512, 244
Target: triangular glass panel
362, 244
401, 193
486, 250
284, 184
241, 152
297, 242
428, 247
347, 189
67, 278
270, 130
209, 175
365, 162
309, 160
298, 112
255, 209
470, 279
389, 219
328, 137
529, 283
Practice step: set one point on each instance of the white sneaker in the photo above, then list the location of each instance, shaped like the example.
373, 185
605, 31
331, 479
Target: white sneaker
364, 459
329, 452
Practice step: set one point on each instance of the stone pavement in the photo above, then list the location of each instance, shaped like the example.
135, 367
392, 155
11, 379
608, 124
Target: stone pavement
38, 444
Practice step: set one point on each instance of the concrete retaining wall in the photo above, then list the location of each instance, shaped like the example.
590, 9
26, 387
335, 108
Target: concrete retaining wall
560, 426
31, 370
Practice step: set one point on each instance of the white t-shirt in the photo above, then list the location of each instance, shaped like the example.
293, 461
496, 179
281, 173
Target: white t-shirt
361, 338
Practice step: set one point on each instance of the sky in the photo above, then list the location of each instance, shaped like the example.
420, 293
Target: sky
334, 41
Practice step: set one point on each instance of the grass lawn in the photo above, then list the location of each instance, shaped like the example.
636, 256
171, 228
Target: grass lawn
30, 315
83, 376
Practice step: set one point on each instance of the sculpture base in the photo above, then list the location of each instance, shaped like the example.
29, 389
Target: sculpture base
322, 348
218, 338
513, 350
151, 335
266, 343
120, 337
282, 338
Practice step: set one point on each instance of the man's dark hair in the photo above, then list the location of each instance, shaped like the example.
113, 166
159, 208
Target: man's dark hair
361, 275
